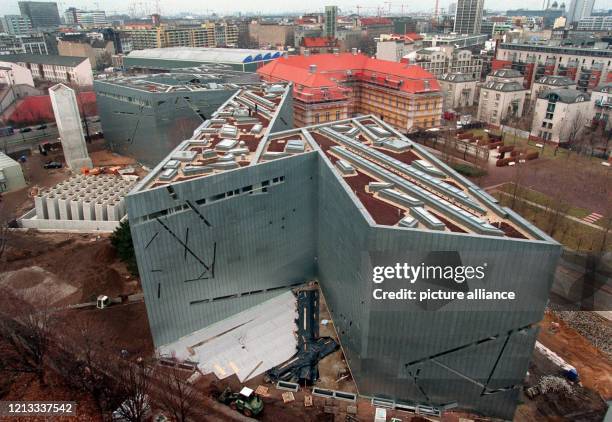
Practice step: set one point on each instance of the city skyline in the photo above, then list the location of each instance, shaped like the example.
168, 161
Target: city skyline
263, 7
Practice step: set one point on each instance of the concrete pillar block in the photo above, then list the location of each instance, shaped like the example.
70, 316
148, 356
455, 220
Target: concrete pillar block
112, 211
88, 210
64, 209
100, 211
76, 209
40, 204
52, 208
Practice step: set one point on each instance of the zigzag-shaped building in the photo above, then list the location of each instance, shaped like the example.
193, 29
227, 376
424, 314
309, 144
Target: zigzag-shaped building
237, 216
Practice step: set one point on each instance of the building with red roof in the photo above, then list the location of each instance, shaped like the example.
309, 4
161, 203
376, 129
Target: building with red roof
317, 45
328, 87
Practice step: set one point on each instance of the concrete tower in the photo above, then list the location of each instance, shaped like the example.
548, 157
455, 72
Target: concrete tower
468, 16
69, 126
331, 13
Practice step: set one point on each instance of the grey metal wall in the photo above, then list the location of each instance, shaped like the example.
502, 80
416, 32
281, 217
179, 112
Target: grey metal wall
309, 225
150, 132
263, 241
429, 354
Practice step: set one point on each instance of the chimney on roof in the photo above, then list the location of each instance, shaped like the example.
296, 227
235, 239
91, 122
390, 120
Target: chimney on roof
312, 68
354, 51
336, 51
426, 85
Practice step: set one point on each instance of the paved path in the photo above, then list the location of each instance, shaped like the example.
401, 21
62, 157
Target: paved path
534, 204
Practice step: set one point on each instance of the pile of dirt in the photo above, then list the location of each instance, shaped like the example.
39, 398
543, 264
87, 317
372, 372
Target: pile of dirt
77, 267
37, 286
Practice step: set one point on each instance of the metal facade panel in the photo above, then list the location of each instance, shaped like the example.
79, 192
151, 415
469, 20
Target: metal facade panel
310, 225
263, 241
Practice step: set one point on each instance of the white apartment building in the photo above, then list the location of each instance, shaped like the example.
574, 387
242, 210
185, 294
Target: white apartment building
561, 114
601, 105
459, 90
595, 23
500, 101
13, 74
593, 63
441, 60
546, 83
500, 75
65, 69
394, 47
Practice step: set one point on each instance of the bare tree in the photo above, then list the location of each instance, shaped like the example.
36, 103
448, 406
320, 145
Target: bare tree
26, 326
87, 364
175, 395
572, 128
135, 386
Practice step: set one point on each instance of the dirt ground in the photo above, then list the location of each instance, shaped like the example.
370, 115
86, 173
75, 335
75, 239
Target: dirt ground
15, 204
584, 182
32, 258
594, 368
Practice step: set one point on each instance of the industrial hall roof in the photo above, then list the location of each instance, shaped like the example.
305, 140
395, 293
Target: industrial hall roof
202, 54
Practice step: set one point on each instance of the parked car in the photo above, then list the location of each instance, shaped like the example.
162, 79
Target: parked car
41, 127
52, 165
25, 129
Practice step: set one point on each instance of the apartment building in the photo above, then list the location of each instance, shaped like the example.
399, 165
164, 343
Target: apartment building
330, 87
446, 59
16, 24
595, 23
217, 34
588, 66
506, 74
546, 83
601, 106
394, 47
500, 101
459, 90
98, 51
268, 34
23, 44
560, 115
64, 69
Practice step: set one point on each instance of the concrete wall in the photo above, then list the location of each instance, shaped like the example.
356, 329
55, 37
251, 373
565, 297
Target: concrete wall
69, 126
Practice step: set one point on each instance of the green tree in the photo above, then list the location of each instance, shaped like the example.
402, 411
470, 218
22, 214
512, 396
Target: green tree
121, 239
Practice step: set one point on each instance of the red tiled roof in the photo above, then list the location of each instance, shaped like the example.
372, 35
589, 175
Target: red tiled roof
319, 42
413, 36
407, 78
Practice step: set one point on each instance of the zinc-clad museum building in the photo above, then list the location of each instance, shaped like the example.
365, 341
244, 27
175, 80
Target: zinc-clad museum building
241, 213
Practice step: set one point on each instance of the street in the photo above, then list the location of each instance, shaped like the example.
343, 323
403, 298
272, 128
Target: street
18, 141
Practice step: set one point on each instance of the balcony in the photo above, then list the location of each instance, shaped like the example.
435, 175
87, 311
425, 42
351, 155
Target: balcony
607, 103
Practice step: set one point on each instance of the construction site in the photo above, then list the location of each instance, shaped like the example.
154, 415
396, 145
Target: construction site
252, 282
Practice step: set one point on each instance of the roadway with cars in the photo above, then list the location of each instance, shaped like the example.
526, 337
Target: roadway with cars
30, 139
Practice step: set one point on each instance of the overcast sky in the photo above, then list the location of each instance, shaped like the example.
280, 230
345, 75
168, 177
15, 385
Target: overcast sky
169, 7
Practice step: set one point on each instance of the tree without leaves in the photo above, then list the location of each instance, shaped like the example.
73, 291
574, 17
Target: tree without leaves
89, 364
135, 386
175, 395
26, 326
